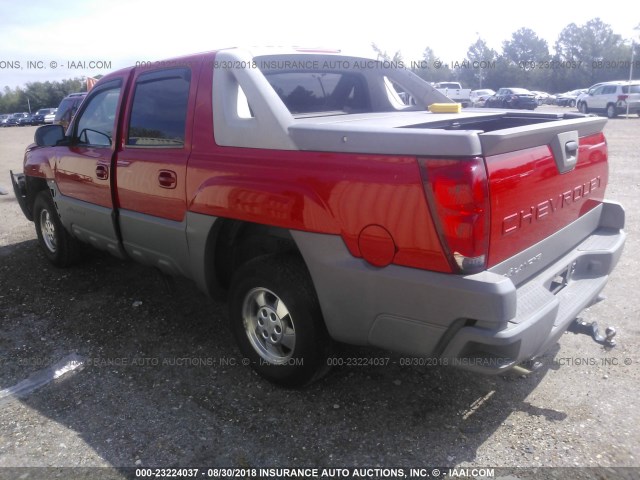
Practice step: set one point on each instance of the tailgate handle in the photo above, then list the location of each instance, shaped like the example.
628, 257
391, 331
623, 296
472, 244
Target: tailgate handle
565, 150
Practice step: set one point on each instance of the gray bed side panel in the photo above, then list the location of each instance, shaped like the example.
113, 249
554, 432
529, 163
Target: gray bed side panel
381, 140
362, 304
268, 127
409, 310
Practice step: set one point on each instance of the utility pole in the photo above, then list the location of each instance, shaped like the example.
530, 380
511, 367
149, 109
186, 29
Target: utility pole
633, 51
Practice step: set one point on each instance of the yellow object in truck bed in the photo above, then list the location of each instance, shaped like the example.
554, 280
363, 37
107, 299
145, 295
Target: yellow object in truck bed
445, 107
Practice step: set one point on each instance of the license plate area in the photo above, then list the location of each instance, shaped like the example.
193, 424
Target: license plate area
561, 280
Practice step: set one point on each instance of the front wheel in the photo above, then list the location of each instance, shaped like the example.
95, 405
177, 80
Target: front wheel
59, 247
276, 320
583, 108
572, 103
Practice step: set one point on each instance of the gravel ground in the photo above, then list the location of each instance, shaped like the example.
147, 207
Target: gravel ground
163, 384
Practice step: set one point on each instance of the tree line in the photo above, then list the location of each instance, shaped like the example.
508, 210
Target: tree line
39, 95
583, 55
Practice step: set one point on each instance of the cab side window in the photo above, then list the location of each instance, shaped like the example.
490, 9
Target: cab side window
97, 120
159, 109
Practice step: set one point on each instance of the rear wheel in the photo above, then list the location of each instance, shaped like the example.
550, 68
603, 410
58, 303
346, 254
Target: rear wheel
58, 245
276, 320
611, 111
572, 103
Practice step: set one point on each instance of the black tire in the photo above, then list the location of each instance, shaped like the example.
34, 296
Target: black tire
611, 111
584, 108
276, 320
572, 103
57, 244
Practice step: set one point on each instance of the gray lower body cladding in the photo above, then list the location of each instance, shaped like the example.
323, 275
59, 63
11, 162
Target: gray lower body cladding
483, 322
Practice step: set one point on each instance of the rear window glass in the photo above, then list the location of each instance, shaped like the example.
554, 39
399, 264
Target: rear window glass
634, 89
310, 92
159, 110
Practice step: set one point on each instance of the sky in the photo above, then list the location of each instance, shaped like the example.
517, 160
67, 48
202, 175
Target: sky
53, 39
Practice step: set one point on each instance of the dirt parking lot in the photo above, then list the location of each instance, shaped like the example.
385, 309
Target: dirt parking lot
163, 385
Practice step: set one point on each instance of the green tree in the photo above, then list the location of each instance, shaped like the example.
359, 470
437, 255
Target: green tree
38, 95
481, 61
525, 46
521, 59
432, 68
591, 53
383, 55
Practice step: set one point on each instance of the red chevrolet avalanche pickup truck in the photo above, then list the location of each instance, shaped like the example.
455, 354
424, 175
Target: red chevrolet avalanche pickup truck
321, 195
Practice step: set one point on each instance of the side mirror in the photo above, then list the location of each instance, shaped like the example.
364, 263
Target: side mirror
49, 135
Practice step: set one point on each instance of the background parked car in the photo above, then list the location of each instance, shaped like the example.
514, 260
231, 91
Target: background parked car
512, 98
543, 98
24, 121
67, 108
50, 117
38, 117
613, 98
3, 118
14, 118
584, 95
478, 97
569, 99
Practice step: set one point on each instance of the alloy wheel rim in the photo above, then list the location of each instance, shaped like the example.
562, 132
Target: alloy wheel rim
268, 325
48, 230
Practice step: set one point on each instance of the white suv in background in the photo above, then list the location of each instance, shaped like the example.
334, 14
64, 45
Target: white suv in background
584, 95
613, 98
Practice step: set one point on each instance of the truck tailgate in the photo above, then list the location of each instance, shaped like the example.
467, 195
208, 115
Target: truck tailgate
542, 177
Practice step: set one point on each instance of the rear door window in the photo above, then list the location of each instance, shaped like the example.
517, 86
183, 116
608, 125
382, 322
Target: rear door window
159, 109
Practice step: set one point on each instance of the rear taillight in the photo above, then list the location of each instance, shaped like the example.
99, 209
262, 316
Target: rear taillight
622, 98
458, 196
